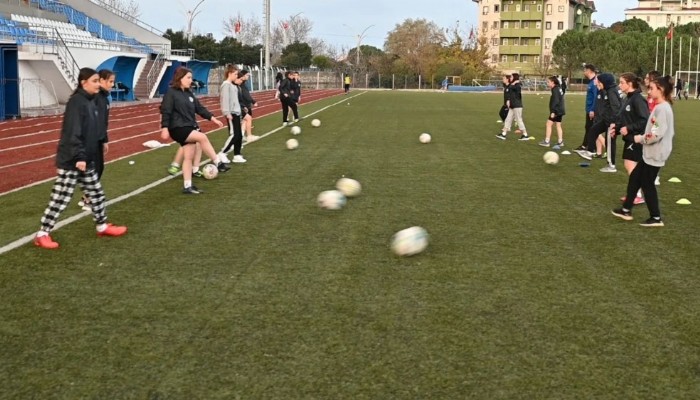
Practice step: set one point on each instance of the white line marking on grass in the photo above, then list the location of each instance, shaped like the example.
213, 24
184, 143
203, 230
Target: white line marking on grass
29, 238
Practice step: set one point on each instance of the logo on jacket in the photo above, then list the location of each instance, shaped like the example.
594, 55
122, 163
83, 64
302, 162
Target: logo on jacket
628, 108
191, 99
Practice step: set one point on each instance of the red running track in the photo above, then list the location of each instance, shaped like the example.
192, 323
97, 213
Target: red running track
31, 142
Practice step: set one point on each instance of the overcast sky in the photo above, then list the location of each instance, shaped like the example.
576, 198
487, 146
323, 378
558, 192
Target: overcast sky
330, 16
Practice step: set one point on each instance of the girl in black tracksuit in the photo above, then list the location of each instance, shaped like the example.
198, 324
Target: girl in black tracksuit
557, 110
607, 107
503, 112
78, 150
286, 92
631, 122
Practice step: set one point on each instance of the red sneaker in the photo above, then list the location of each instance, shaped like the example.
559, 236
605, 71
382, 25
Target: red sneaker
113, 230
45, 242
639, 200
623, 198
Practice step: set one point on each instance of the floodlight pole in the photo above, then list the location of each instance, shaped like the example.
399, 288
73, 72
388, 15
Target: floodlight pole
266, 13
191, 14
359, 42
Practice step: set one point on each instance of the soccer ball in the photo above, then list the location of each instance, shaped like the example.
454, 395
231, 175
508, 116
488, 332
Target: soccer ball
409, 241
550, 157
316, 123
210, 171
331, 200
424, 138
292, 144
348, 187
295, 130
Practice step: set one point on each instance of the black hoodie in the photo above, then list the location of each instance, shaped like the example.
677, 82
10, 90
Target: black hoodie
556, 101
102, 103
179, 107
515, 94
634, 115
79, 132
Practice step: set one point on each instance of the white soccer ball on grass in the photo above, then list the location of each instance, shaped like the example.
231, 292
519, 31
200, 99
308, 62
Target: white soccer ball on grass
295, 130
210, 171
331, 200
409, 241
425, 138
348, 187
292, 144
551, 157
316, 123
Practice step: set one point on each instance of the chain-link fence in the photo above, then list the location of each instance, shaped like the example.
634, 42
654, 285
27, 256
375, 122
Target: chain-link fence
37, 95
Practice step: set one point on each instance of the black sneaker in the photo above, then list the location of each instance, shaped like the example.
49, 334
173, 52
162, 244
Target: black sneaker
191, 190
223, 167
579, 148
197, 174
653, 222
622, 213
524, 138
501, 136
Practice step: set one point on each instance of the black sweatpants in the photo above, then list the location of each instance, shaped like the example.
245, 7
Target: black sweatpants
288, 103
643, 176
592, 133
589, 123
100, 160
235, 135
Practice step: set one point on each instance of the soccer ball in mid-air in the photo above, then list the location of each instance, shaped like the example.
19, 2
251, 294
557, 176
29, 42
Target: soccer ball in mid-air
316, 123
425, 138
292, 144
295, 130
210, 171
550, 157
331, 200
348, 187
409, 241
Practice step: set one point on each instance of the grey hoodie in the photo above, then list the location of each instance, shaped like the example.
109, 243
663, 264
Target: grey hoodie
229, 99
657, 140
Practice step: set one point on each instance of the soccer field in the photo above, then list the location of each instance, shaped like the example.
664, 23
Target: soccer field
529, 288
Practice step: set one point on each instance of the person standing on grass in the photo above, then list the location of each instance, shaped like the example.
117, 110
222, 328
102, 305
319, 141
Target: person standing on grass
178, 122
503, 112
515, 108
589, 71
231, 109
278, 80
679, 88
607, 107
557, 110
296, 92
286, 98
648, 78
247, 103
630, 123
347, 81
657, 144
76, 159
103, 100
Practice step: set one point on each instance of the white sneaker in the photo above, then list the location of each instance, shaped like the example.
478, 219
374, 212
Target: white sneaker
253, 138
609, 168
657, 181
223, 158
239, 159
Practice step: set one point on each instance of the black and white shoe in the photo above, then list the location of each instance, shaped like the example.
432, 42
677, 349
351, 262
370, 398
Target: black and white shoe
524, 138
191, 190
223, 167
653, 222
501, 136
622, 213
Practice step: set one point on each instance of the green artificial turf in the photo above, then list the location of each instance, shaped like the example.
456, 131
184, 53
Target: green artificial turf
529, 288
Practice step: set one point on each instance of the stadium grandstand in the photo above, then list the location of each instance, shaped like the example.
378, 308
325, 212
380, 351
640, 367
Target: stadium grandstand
44, 43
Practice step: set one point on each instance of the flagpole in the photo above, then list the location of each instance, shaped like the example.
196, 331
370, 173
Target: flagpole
671, 67
690, 58
656, 65
680, 54
665, 44
697, 68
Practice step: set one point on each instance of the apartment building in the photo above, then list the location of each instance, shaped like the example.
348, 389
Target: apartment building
662, 13
520, 33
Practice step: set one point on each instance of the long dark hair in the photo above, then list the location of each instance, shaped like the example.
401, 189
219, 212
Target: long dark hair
177, 77
106, 74
665, 83
632, 79
83, 75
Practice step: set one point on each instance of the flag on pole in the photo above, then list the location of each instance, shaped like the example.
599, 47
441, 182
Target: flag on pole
471, 34
669, 34
237, 27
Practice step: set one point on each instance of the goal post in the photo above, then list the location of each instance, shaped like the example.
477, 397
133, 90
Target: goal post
692, 77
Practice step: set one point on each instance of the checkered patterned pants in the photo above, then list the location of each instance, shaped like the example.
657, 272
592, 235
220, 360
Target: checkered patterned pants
62, 193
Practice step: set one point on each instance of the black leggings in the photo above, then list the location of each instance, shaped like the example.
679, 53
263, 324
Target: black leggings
235, 135
643, 176
288, 103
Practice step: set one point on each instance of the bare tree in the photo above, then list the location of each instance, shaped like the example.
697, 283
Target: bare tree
249, 31
127, 9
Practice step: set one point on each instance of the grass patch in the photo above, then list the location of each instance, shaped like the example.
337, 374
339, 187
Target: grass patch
529, 288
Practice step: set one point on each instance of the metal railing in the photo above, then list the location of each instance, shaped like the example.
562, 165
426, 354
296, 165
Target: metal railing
152, 77
128, 17
66, 59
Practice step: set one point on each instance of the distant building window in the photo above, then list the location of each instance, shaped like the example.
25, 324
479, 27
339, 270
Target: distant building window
504, 24
560, 25
526, 24
504, 58
539, 8
648, 18
527, 7
495, 24
525, 59
495, 41
561, 8
538, 42
547, 59
516, 25
496, 8
517, 7
515, 41
549, 9
485, 26
485, 10
538, 25
547, 43
537, 60
548, 25
494, 58
505, 8
505, 41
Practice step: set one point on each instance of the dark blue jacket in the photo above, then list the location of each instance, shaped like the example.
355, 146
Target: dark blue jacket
591, 95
